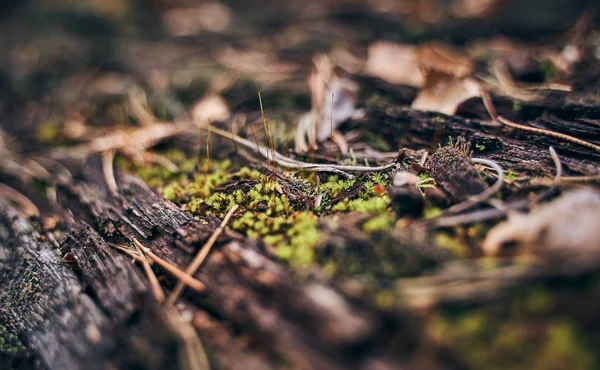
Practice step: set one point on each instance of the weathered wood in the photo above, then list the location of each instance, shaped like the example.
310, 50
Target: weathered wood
102, 299
66, 321
523, 152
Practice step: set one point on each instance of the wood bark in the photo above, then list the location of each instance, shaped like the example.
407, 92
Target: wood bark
95, 310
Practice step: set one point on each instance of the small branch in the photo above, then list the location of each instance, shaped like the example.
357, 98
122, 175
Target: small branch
197, 261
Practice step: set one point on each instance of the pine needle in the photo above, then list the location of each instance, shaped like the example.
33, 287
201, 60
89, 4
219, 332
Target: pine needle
201, 256
154, 284
172, 269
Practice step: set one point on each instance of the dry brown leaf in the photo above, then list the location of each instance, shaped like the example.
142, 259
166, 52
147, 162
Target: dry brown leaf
333, 99
211, 108
447, 84
395, 63
474, 8
443, 93
564, 231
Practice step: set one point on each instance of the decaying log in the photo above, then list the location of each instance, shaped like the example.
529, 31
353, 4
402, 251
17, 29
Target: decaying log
95, 310
523, 152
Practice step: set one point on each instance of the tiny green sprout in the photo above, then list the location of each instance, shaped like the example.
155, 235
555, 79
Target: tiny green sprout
425, 182
510, 176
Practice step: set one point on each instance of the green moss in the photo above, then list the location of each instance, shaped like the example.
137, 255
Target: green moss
563, 349
266, 210
334, 186
51, 132
377, 142
510, 176
524, 334
9, 342
431, 212
12, 350
381, 222
453, 244
372, 205
385, 299
293, 237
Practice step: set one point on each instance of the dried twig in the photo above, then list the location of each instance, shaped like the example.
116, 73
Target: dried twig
553, 134
197, 261
488, 214
286, 162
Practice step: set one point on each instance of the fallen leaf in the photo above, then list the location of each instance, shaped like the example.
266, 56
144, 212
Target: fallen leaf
379, 190
435, 56
447, 82
263, 67
395, 63
211, 108
564, 232
443, 93
333, 101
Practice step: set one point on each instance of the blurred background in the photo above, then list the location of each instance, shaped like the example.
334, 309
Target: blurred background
58, 53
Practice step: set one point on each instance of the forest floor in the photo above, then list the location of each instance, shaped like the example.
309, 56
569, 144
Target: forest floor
384, 186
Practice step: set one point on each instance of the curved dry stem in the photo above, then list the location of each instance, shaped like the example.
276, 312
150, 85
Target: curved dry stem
557, 164
109, 172
25, 205
287, 162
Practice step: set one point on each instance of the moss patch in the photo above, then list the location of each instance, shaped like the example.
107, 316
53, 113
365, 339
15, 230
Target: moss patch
280, 210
